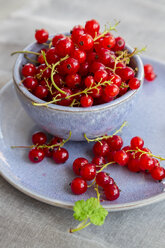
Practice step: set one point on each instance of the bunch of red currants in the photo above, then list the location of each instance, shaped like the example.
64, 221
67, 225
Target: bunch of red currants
83, 69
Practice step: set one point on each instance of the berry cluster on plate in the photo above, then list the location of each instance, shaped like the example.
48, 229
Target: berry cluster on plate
84, 68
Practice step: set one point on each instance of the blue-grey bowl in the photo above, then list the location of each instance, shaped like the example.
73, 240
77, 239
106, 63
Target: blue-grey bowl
59, 120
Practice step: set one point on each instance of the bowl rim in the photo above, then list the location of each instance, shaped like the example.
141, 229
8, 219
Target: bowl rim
24, 91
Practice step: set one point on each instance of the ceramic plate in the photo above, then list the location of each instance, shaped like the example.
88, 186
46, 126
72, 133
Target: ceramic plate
49, 182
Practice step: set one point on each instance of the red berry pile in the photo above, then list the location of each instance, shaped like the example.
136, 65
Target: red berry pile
108, 150
85, 68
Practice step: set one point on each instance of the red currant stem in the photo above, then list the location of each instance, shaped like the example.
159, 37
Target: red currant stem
105, 136
49, 87
28, 52
32, 60
50, 44
149, 153
81, 226
91, 184
97, 192
46, 146
52, 73
123, 85
110, 28
64, 141
105, 165
23, 146
86, 91
46, 62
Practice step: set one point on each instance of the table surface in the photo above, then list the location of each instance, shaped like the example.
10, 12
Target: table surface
26, 222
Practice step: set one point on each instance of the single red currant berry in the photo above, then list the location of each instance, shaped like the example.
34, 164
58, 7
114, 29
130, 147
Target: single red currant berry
48, 152
56, 140
91, 57
96, 66
78, 164
28, 70
146, 162
101, 148
112, 192
121, 157
84, 68
76, 32
41, 35
70, 66
106, 98
104, 56
85, 42
111, 90
134, 83
134, 165
57, 38
108, 42
79, 55
92, 27
86, 101
64, 46
41, 92
120, 44
51, 56
30, 83
115, 143
43, 71
39, 138
78, 186
97, 92
148, 68
98, 160
110, 156
102, 179
126, 73
73, 80
88, 172
150, 76
36, 155
40, 59
137, 142
115, 79
58, 79
89, 81
158, 173
60, 156
63, 101
100, 76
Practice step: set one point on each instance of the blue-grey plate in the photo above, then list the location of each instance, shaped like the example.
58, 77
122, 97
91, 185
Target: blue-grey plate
49, 182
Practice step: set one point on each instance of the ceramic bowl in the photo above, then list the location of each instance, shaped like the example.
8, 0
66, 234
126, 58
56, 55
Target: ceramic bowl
93, 121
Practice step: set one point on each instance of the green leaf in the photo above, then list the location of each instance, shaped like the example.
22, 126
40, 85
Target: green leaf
90, 208
98, 216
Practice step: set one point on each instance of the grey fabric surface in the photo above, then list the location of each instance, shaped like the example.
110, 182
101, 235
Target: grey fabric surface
25, 222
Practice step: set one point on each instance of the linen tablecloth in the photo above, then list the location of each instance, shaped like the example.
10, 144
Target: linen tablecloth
27, 223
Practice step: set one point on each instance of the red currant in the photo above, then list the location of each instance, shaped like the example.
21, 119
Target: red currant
36, 155
28, 70
92, 27
150, 76
41, 35
78, 186
88, 172
73, 80
115, 143
100, 148
85, 42
119, 44
78, 164
39, 138
134, 165
57, 38
41, 92
134, 83
86, 101
137, 142
112, 192
51, 56
158, 173
111, 90
64, 46
79, 55
102, 179
146, 163
30, 83
121, 157
60, 156
70, 66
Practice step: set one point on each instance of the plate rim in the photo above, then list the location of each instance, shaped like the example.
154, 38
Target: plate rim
69, 205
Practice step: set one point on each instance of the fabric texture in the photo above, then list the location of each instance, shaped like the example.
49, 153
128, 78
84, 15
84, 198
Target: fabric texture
27, 223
